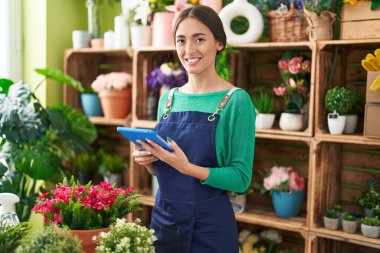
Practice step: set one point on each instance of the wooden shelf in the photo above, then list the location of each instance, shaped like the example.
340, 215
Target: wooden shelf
347, 237
350, 139
143, 123
128, 51
348, 42
112, 122
265, 46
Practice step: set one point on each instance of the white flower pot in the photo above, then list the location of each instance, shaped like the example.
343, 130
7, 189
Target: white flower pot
154, 185
265, 120
336, 123
331, 223
114, 179
370, 231
351, 123
238, 201
291, 121
349, 226
141, 35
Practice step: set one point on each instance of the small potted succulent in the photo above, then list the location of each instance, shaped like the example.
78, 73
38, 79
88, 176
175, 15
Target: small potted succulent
264, 102
350, 224
370, 198
111, 167
357, 102
331, 219
370, 227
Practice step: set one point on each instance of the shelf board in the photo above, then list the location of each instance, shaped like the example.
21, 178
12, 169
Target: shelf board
112, 122
139, 123
256, 216
128, 51
349, 42
345, 138
265, 46
347, 237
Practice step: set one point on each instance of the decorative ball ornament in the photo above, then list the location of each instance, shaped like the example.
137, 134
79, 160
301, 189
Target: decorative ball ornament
250, 12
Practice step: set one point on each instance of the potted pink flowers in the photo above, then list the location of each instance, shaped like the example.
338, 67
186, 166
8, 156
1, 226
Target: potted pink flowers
294, 89
287, 190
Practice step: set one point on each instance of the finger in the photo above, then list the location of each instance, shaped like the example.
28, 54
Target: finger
147, 147
135, 147
141, 154
157, 146
146, 159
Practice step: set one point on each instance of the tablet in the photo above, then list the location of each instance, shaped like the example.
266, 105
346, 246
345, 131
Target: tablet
134, 134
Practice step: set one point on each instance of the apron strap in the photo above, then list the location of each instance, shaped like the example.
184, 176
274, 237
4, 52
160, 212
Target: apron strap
169, 103
222, 103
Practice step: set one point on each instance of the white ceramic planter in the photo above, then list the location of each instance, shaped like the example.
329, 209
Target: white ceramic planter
349, 226
351, 123
114, 179
265, 120
336, 123
154, 185
331, 223
291, 121
141, 35
370, 231
238, 201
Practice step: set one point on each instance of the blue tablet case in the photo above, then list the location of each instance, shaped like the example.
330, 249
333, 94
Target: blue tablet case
134, 134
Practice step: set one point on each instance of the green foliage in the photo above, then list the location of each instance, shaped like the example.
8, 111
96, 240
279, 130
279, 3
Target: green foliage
357, 100
263, 100
375, 4
86, 162
222, 66
371, 221
126, 237
159, 5
339, 208
376, 212
110, 163
10, 237
49, 240
332, 213
349, 217
57, 75
4, 85
370, 197
339, 100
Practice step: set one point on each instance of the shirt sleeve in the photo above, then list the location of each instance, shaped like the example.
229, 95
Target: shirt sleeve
236, 176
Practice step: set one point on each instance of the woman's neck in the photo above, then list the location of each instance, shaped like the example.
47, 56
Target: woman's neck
198, 84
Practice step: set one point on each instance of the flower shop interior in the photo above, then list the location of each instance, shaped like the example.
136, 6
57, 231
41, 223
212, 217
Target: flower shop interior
72, 71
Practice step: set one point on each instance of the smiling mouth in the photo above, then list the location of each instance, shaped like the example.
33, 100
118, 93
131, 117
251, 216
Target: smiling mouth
192, 61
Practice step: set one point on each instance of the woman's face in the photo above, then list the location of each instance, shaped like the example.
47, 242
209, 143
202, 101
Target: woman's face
196, 46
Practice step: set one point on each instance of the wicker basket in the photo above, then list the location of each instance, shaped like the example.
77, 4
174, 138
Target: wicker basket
287, 26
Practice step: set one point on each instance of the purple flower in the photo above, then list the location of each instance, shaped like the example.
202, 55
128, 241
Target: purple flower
168, 75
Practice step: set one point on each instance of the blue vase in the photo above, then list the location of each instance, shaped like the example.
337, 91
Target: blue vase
287, 204
91, 104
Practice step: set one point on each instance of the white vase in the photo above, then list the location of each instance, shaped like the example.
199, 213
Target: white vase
336, 123
121, 32
113, 179
351, 123
291, 121
264, 120
141, 36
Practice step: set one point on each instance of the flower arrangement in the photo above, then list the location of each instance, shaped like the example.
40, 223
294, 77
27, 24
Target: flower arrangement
126, 237
295, 86
265, 242
283, 179
318, 6
114, 80
168, 75
86, 207
375, 4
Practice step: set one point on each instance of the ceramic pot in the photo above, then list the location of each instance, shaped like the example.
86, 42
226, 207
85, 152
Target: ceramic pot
287, 204
291, 121
331, 223
162, 29
370, 231
141, 36
265, 120
91, 104
349, 226
336, 123
116, 103
155, 185
216, 5
85, 236
238, 201
351, 123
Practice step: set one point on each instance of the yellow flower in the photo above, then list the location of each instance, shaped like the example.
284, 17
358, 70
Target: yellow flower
262, 249
152, 1
353, 2
193, 2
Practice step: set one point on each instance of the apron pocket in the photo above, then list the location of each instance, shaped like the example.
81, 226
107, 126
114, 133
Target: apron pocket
168, 239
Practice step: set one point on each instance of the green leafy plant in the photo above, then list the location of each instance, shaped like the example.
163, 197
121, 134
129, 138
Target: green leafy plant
349, 217
110, 163
339, 208
49, 240
223, 67
86, 207
127, 237
263, 100
371, 221
338, 100
86, 162
11, 236
357, 100
370, 197
376, 212
332, 213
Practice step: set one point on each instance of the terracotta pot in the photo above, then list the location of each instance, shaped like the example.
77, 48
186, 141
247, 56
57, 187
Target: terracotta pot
85, 236
116, 103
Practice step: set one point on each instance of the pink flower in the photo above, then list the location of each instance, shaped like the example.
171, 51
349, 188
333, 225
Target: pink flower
114, 80
294, 65
306, 66
295, 182
280, 90
283, 65
57, 219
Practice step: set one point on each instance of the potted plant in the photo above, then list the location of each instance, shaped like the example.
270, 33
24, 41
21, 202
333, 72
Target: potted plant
370, 198
370, 227
287, 189
140, 239
357, 101
350, 224
264, 102
87, 165
337, 103
50, 240
90, 102
114, 93
86, 210
11, 236
294, 89
163, 21
111, 167
331, 219
139, 21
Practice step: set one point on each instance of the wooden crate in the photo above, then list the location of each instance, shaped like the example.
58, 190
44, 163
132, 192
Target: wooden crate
338, 177
359, 22
330, 244
348, 73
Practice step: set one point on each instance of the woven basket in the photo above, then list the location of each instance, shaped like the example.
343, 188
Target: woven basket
287, 26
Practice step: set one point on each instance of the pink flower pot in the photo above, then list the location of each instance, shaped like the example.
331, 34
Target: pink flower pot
162, 29
216, 5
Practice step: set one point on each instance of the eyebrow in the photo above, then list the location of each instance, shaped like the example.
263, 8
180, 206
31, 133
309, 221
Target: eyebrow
194, 35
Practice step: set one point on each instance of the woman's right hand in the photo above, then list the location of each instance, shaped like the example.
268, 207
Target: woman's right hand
144, 158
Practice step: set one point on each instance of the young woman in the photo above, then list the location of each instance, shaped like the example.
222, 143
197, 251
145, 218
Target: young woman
210, 124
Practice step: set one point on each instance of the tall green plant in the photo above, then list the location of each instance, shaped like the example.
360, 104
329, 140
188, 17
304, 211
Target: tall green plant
263, 100
222, 65
11, 236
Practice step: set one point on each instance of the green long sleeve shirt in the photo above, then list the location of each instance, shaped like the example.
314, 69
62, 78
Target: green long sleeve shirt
235, 135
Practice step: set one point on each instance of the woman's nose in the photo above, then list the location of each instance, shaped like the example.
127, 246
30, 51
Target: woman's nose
189, 47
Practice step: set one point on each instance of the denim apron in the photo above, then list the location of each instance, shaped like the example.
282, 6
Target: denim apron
191, 217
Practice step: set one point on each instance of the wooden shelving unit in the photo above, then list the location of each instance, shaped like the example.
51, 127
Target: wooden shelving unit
333, 166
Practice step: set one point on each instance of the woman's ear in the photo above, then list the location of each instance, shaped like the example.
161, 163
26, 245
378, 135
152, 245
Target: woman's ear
219, 46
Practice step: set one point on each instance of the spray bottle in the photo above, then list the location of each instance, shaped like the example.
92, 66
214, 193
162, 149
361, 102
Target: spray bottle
8, 214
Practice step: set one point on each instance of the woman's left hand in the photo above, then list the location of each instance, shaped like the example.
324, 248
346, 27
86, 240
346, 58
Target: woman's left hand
177, 159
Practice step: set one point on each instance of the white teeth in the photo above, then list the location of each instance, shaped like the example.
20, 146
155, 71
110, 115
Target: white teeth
192, 60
